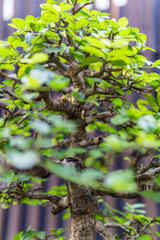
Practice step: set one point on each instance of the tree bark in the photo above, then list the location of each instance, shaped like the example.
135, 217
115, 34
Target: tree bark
81, 202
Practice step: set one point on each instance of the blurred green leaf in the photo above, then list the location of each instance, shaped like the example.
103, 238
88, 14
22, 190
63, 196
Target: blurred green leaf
152, 102
148, 123
121, 181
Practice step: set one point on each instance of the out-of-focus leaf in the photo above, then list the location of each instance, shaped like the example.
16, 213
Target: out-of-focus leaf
22, 160
121, 181
152, 102
148, 123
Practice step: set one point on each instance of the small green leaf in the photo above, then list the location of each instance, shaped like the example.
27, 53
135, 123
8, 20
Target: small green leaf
29, 235
119, 119
152, 102
90, 60
55, 9
20, 23
80, 24
158, 98
123, 22
156, 64
148, 123
145, 237
7, 66
8, 177
121, 181
22, 160
29, 37
94, 51
79, 56
36, 58
18, 236
65, 6
41, 235
40, 126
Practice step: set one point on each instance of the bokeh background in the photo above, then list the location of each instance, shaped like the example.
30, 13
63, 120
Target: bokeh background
143, 14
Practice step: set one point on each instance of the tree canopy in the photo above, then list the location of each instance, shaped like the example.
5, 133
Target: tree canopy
78, 95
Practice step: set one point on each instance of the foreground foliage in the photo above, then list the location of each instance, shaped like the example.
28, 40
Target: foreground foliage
68, 77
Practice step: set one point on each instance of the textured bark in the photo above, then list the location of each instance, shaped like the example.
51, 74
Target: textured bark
100, 228
82, 204
82, 227
82, 207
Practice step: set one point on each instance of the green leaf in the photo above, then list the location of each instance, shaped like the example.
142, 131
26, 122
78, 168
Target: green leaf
18, 22
80, 24
29, 37
49, 17
22, 160
18, 236
8, 177
152, 102
145, 237
55, 9
156, 64
158, 98
5, 52
98, 43
59, 82
118, 120
104, 25
23, 178
65, 6
148, 123
90, 60
29, 235
93, 51
36, 58
41, 235
121, 181
79, 56
40, 126
7, 66
122, 22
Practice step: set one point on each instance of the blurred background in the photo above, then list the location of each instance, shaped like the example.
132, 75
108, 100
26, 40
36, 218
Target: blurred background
143, 14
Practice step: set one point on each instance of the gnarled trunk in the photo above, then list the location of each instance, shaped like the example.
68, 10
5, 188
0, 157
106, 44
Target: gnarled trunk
82, 206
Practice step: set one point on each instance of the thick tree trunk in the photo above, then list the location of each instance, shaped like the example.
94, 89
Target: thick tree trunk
82, 227
81, 200
82, 206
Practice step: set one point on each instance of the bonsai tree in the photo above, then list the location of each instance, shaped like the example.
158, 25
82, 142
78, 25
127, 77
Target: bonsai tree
69, 82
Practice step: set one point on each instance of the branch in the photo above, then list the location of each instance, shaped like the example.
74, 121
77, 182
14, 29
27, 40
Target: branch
95, 116
144, 168
61, 66
60, 206
4, 106
74, 6
116, 225
11, 95
148, 176
9, 77
20, 193
80, 8
91, 141
102, 230
62, 106
144, 227
60, 144
77, 78
97, 90
108, 69
117, 195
